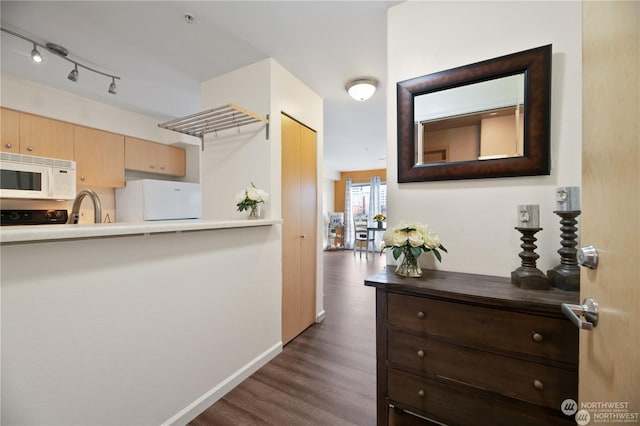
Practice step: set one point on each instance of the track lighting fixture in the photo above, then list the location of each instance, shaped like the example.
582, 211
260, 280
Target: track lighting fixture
112, 87
35, 54
61, 52
73, 75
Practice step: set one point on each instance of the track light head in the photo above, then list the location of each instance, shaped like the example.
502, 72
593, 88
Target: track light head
112, 87
73, 75
35, 54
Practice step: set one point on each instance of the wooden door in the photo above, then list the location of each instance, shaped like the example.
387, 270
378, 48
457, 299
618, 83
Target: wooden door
610, 353
299, 228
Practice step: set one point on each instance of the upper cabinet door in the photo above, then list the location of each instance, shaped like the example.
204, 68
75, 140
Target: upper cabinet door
99, 157
172, 161
139, 155
44, 137
10, 131
147, 156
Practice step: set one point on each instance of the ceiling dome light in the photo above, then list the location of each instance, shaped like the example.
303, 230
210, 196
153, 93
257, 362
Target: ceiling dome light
112, 87
362, 89
73, 75
35, 54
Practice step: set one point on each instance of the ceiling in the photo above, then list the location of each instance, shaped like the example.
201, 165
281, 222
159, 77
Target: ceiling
162, 59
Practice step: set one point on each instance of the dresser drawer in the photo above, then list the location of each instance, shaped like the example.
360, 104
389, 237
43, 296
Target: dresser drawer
527, 381
487, 328
456, 406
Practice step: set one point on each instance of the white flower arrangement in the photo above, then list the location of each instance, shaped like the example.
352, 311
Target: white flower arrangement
412, 239
250, 197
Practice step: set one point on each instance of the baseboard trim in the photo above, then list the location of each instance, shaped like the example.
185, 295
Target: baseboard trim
320, 316
192, 410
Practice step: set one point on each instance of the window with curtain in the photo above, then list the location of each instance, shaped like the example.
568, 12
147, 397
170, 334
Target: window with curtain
360, 196
359, 204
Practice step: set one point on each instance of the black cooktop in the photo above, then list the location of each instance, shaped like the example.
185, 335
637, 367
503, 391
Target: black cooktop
33, 217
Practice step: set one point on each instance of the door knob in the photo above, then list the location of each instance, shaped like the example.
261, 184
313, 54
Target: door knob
588, 257
588, 310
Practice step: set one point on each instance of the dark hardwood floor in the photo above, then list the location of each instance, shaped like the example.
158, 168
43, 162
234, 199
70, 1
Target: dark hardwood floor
327, 375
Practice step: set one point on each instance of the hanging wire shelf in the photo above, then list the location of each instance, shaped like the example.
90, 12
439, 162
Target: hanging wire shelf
229, 116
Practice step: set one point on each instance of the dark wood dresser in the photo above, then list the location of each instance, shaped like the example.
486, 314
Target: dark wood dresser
463, 349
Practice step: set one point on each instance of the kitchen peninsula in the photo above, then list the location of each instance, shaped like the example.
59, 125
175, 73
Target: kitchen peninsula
43, 233
168, 315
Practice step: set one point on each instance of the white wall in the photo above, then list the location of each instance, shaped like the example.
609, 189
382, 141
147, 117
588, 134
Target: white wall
135, 330
232, 160
476, 218
24, 95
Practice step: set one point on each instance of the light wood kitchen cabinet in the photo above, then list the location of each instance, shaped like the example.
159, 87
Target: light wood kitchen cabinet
30, 134
99, 157
45, 137
147, 156
10, 136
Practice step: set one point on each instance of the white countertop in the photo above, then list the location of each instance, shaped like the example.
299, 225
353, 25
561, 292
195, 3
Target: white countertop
40, 233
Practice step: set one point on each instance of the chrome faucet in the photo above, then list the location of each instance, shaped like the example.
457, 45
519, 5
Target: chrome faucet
75, 210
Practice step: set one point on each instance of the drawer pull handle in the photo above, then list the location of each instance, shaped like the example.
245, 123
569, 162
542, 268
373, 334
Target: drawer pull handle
421, 315
30, 148
9, 145
537, 337
420, 353
538, 385
421, 393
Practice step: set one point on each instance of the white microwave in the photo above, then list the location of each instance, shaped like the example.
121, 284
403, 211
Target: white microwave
26, 176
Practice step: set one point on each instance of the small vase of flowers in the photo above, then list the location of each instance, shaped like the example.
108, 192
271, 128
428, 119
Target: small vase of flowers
409, 241
250, 199
380, 218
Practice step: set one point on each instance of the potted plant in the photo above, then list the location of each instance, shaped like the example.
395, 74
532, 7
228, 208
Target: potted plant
250, 199
410, 240
379, 218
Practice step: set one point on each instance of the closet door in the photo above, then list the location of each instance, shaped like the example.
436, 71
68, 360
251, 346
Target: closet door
299, 228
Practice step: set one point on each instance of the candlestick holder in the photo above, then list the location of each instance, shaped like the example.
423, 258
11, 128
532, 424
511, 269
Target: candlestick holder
528, 276
566, 276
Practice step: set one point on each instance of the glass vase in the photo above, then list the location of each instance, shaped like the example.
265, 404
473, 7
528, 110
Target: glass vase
254, 212
408, 265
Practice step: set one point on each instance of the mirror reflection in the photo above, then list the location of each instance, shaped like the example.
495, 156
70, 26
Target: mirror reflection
480, 121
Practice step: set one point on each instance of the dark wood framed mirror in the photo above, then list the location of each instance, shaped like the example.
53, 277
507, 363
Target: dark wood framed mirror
484, 120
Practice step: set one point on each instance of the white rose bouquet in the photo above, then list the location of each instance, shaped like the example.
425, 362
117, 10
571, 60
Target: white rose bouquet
250, 197
412, 239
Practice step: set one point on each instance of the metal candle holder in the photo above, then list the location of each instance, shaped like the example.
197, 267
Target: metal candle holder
566, 276
528, 276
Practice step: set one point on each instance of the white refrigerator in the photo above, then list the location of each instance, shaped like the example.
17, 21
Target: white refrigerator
151, 199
